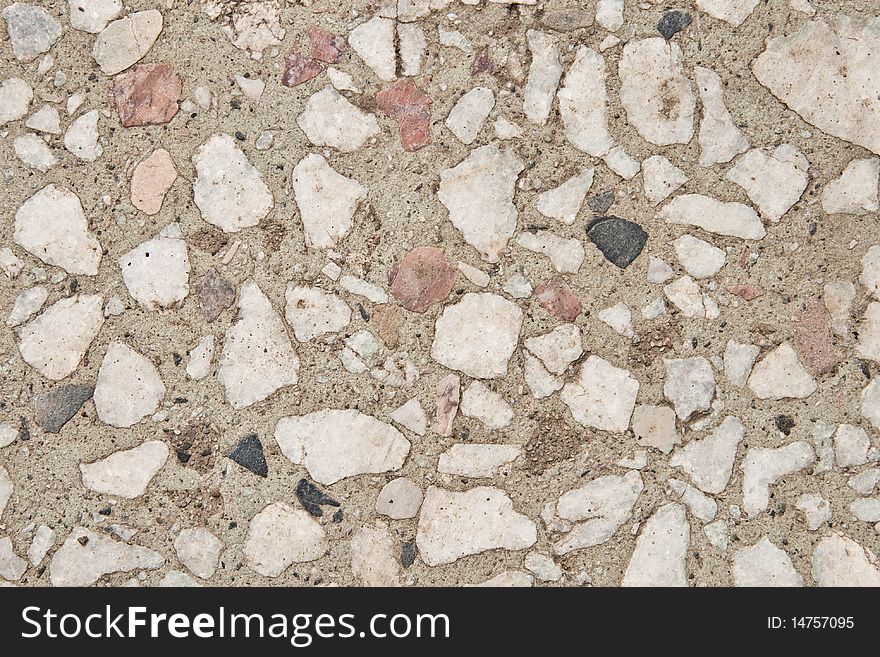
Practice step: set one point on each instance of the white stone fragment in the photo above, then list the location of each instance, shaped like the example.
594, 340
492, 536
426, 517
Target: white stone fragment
454, 39
46, 120
658, 271
851, 445
564, 202
609, 14
342, 81
866, 509
454, 525
374, 556
156, 272
701, 506
177, 579
841, 562
661, 550
488, 407
603, 396
780, 375
198, 550
6, 489
15, 98
557, 349
86, 556
335, 444
720, 139
871, 403
764, 564
583, 104
411, 416
126, 40
870, 277
763, 467
660, 178
478, 192
543, 567
709, 461
855, 191
252, 88
200, 357
364, 289
54, 342
44, 539
738, 361
508, 579
654, 426
312, 312
399, 499
567, 255
862, 483
31, 29
699, 259
412, 45
477, 335
257, 357
476, 460
802, 6
716, 534
730, 11
654, 91
114, 307
8, 434
373, 41
126, 473
719, 217
774, 180
228, 190
129, 387
619, 318
27, 303
474, 275
544, 74
689, 385
504, 129
468, 115
35, 152
12, 567
817, 510
330, 120
81, 137
93, 15
540, 381
279, 536
654, 309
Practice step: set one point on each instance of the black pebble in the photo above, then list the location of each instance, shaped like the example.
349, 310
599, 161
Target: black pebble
784, 423
23, 432
311, 497
601, 202
673, 22
407, 554
106, 511
619, 240
177, 358
240, 135
337, 517
249, 454
54, 408
363, 313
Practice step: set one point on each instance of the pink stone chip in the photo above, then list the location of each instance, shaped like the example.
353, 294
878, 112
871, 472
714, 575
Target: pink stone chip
152, 179
404, 102
557, 298
747, 292
299, 69
423, 277
324, 46
147, 94
448, 395
812, 336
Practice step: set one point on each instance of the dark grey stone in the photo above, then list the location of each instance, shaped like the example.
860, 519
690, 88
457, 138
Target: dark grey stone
601, 202
53, 409
673, 22
311, 497
249, 454
407, 554
619, 240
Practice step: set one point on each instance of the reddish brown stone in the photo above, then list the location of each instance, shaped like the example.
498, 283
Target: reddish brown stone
422, 277
747, 292
812, 337
404, 102
483, 63
386, 322
214, 293
448, 394
146, 94
299, 69
558, 299
324, 46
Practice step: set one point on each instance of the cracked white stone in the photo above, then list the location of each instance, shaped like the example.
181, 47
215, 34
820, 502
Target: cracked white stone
44, 540
773, 180
699, 258
485, 405
257, 357
780, 375
468, 115
374, 556
82, 563
26, 304
200, 357
478, 192
544, 74
412, 45
654, 426
46, 120
125, 473
93, 15
709, 461
738, 361
557, 349
335, 444
54, 342
156, 272
720, 139
851, 445
35, 152
364, 344
312, 312
129, 387
660, 178
399, 499
817, 510
541, 382
839, 561
228, 189
52, 226
15, 98
453, 525
602, 397
722, 218
279, 536
411, 416
198, 550
477, 460
763, 467
855, 191
330, 120
658, 271
764, 564
477, 335
619, 318
654, 91
583, 104
730, 11
661, 550
701, 506
125, 41
564, 202
341, 81
689, 385
543, 567
373, 41
566, 255
32, 30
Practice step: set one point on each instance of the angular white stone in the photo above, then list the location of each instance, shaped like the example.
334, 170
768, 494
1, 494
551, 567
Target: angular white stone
699, 259
701, 506
840, 561
709, 461
774, 180
567, 255
477, 335
468, 115
689, 385
93, 15
871, 403
654, 91
156, 272
564, 202
855, 191
411, 416
373, 41
200, 357
731, 11
228, 190
738, 361
488, 407
763, 467
8, 434
34, 152
374, 556
838, 297
327, 201
540, 381
518, 287
45, 119
44, 539
257, 357
335, 444
731, 219
544, 74
543, 567
312, 312
12, 567
364, 289
504, 129
341, 81
279, 536
619, 318
609, 14
454, 525
400, 498
480, 460
198, 550
866, 510
583, 104
817, 510
129, 387
32, 30
81, 137
507, 579
654, 426
720, 139
557, 349
851, 445
654, 309
83, 563
658, 271
478, 192
125, 41
26, 304
780, 375
330, 120
661, 550
177, 579
5, 489
870, 277
15, 98
55, 341
412, 45
125, 473
660, 178
764, 564
863, 483
603, 396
